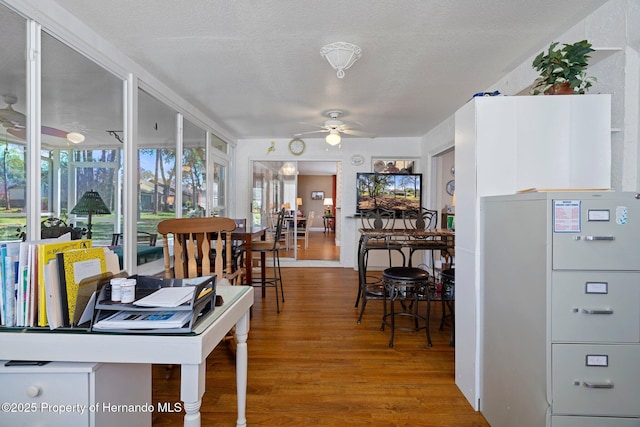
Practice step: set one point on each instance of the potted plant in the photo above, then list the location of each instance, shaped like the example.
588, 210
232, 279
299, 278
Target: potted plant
563, 71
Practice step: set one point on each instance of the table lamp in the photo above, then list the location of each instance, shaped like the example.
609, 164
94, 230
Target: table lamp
298, 204
328, 202
90, 204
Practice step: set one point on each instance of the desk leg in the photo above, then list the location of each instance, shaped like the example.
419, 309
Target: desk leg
242, 332
192, 384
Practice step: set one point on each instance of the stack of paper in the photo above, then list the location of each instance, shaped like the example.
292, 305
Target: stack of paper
167, 297
144, 320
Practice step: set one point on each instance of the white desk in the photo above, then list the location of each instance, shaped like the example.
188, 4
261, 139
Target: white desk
190, 351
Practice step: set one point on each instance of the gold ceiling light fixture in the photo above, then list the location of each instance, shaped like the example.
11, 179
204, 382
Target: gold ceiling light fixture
341, 56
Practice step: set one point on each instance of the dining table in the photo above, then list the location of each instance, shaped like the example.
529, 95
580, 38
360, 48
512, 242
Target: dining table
398, 238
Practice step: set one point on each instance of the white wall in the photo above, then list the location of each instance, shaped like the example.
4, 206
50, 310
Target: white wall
317, 149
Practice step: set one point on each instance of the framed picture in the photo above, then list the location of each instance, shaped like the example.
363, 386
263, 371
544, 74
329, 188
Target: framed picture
317, 195
392, 166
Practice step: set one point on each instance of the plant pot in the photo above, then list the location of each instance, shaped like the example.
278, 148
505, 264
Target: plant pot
560, 89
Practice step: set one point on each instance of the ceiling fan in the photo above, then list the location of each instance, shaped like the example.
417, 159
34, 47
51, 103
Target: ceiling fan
14, 121
335, 127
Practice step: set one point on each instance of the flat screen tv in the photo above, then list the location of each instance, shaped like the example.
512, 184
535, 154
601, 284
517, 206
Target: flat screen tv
393, 191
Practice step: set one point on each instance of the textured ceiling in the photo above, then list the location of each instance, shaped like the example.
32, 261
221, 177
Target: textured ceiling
255, 68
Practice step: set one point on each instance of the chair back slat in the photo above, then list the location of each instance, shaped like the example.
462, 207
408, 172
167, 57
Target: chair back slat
196, 242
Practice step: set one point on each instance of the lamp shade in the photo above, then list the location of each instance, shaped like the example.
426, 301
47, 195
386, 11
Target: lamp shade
299, 201
328, 201
90, 204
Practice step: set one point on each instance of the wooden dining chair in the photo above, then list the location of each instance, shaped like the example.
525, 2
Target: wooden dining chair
201, 247
303, 232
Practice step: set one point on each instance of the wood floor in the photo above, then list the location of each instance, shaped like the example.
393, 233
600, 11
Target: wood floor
322, 246
313, 365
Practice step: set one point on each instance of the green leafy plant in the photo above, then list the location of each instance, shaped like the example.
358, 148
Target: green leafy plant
564, 66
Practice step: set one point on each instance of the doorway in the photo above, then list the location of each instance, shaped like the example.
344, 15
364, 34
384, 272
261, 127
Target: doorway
308, 191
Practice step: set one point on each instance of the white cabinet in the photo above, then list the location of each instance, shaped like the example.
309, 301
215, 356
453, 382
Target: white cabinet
560, 309
507, 144
68, 394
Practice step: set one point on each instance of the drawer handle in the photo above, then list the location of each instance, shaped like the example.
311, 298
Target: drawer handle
597, 385
596, 311
33, 391
599, 238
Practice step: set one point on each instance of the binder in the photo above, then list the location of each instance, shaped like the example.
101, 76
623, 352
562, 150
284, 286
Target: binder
73, 266
46, 253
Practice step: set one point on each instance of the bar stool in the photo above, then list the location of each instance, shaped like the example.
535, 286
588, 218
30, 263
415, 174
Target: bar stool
274, 280
406, 284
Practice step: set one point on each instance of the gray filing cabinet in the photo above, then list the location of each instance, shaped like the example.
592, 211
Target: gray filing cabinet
65, 394
560, 297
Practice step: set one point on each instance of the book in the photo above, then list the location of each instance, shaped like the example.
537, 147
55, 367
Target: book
144, 320
52, 295
22, 284
73, 266
46, 253
9, 254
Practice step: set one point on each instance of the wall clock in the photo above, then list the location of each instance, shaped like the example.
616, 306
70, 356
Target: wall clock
451, 187
296, 146
357, 159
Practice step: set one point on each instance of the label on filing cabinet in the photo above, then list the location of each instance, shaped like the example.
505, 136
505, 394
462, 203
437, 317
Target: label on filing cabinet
597, 233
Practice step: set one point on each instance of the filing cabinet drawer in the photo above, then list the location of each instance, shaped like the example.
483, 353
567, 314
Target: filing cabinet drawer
606, 239
566, 421
595, 306
596, 380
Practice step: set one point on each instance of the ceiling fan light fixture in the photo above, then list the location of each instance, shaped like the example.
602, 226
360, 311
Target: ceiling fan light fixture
75, 137
341, 56
333, 138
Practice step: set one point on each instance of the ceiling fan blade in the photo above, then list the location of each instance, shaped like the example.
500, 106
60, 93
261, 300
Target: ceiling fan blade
358, 133
313, 131
353, 122
18, 133
312, 124
9, 115
46, 130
